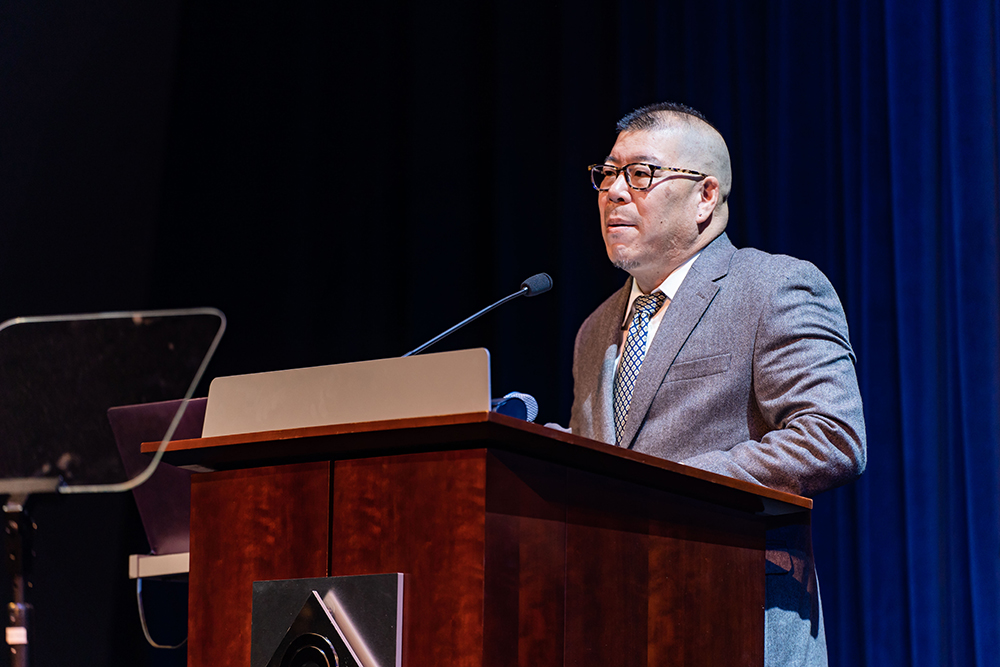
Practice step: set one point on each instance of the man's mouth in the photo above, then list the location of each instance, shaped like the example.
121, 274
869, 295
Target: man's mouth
618, 222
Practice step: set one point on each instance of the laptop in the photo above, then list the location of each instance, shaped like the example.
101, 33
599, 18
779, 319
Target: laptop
164, 501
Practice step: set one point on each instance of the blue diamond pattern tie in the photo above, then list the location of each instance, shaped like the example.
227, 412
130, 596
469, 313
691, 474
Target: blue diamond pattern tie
632, 355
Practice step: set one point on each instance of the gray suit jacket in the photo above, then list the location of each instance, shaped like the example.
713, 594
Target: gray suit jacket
750, 375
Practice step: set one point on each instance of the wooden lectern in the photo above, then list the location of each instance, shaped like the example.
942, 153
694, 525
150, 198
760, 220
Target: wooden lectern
522, 545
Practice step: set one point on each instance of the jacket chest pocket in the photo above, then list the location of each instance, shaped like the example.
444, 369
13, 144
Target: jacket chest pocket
689, 370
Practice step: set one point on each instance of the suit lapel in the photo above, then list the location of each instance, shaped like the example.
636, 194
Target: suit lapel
685, 311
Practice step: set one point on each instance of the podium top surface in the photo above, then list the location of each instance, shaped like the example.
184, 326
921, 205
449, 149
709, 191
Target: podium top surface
474, 430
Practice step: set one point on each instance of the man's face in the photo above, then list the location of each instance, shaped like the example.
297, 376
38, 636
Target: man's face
650, 233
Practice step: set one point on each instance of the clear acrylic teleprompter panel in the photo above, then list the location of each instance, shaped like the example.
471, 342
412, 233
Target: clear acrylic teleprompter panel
59, 376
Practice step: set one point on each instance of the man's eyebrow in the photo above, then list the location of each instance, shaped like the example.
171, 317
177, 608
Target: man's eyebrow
639, 158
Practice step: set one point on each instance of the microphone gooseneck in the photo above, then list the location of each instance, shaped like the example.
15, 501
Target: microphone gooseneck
536, 284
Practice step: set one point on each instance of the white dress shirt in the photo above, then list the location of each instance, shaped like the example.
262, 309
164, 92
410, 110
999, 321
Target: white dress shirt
669, 287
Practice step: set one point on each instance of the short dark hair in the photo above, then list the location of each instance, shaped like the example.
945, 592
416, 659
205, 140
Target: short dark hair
648, 117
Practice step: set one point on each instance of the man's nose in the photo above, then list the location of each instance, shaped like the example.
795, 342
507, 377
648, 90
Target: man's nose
619, 190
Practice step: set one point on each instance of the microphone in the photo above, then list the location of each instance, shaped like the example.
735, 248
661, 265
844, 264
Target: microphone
536, 284
516, 404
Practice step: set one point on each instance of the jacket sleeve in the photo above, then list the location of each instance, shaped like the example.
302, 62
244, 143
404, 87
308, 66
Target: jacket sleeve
806, 391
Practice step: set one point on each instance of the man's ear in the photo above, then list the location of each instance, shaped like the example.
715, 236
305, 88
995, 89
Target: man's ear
711, 197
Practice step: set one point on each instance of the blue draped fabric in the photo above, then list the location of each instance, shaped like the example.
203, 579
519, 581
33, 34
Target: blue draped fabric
882, 143
865, 139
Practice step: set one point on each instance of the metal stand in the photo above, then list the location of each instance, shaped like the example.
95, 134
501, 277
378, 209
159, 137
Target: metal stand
18, 538
18, 531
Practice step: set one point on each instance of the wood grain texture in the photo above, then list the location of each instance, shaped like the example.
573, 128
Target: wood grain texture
510, 558
423, 515
246, 526
654, 579
525, 561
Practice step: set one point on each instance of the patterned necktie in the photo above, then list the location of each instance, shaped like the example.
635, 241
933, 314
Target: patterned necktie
632, 355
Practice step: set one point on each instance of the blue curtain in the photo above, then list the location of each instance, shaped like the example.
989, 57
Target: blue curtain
865, 136
865, 139
927, 513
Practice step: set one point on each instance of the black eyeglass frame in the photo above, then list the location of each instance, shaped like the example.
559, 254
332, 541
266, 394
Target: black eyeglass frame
653, 168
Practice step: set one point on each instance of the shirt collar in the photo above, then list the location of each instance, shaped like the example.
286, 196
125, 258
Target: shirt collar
669, 286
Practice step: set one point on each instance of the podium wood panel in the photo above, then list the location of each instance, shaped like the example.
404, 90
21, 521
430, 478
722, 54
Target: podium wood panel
421, 514
514, 554
525, 561
654, 578
246, 526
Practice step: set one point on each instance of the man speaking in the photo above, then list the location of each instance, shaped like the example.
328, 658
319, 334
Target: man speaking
732, 361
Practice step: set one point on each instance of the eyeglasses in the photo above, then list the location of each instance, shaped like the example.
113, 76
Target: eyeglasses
638, 175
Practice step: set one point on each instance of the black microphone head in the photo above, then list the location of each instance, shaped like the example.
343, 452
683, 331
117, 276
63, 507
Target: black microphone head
536, 284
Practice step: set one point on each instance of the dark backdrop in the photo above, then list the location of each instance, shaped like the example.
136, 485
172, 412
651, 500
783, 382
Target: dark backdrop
346, 181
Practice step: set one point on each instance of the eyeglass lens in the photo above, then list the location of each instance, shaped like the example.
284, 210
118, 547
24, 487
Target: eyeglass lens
637, 176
